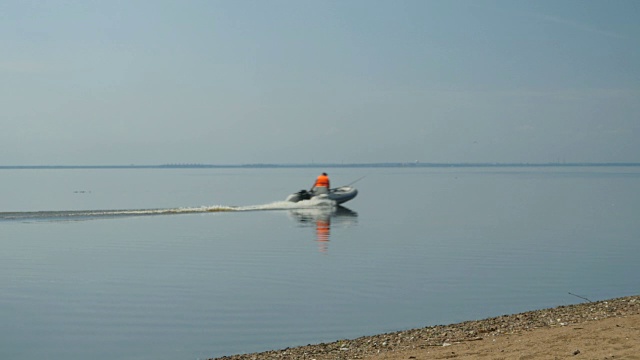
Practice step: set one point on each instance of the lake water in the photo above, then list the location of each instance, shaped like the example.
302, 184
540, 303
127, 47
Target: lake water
222, 266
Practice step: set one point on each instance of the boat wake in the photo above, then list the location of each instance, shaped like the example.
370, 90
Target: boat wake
97, 214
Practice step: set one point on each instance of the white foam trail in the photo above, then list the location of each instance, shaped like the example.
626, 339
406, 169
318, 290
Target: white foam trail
84, 214
182, 210
286, 205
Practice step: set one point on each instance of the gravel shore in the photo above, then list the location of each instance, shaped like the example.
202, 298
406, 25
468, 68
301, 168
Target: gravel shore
416, 341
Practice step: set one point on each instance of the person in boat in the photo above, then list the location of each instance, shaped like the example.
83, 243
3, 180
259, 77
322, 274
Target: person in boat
322, 184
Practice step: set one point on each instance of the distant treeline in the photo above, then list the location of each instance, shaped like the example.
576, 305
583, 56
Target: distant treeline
320, 165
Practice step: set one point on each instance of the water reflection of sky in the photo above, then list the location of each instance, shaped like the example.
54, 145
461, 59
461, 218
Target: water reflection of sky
322, 219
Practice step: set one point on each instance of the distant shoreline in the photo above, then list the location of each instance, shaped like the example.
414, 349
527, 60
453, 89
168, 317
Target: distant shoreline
324, 166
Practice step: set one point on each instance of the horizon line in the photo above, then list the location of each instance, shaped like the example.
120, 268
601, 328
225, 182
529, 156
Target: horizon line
330, 165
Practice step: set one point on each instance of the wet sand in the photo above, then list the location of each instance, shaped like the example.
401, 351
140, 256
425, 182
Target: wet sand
602, 330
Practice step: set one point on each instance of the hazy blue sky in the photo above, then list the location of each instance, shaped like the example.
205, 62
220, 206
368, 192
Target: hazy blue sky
221, 82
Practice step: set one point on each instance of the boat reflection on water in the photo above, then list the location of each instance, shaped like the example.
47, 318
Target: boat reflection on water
322, 219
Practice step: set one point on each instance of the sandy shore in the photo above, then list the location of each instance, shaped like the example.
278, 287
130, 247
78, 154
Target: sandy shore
593, 330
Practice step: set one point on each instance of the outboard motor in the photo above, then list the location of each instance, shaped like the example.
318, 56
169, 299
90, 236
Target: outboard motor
299, 196
305, 195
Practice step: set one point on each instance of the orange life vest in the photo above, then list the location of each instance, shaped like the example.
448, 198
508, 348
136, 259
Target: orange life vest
322, 181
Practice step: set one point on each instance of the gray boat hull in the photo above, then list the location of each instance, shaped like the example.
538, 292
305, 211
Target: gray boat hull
340, 195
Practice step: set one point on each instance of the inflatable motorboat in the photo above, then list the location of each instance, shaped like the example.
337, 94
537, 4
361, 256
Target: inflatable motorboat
339, 195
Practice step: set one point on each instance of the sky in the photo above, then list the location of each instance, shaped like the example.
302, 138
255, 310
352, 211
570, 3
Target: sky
333, 81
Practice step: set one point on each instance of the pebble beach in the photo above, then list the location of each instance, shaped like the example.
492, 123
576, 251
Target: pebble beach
608, 329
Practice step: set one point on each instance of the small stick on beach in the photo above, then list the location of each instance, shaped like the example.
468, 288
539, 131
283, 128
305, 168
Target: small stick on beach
581, 297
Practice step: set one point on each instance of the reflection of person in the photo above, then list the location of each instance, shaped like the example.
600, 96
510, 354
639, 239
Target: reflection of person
321, 218
323, 228
322, 184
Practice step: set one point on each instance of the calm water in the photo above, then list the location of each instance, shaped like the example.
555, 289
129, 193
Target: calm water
417, 247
